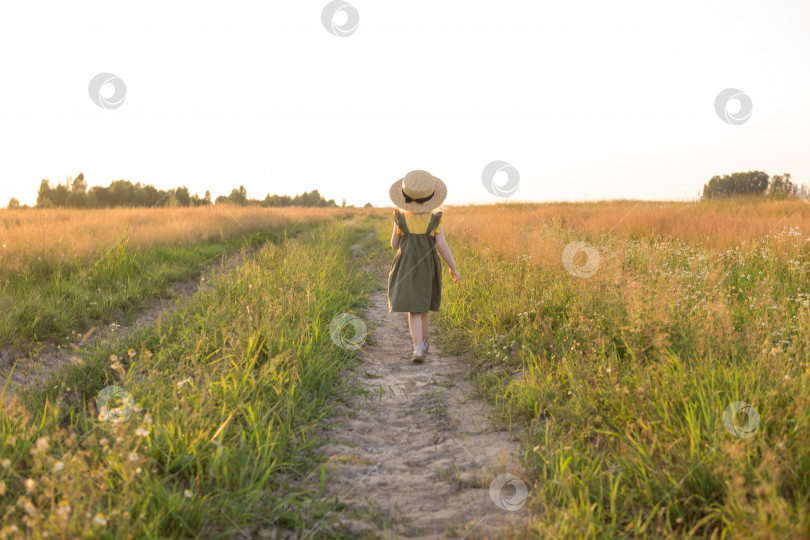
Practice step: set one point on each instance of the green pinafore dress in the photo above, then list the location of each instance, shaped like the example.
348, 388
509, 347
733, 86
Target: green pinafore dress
415, 277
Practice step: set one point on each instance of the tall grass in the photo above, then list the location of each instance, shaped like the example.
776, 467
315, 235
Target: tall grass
719, 224
35, 242
225, 391
63, 271
618, 381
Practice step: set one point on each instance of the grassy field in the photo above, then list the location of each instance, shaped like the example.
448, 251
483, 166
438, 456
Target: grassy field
616, 359
619, 371
211, 435
63, 271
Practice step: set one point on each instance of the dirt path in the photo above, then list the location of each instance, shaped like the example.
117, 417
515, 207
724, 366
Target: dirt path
415, 456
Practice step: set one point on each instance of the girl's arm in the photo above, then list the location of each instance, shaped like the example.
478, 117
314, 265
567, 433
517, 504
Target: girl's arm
444, 251
395, 238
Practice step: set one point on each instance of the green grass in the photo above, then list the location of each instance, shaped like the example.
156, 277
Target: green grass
226, 390
618, 383
57, 300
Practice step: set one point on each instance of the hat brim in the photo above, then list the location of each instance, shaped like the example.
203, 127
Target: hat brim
439, 195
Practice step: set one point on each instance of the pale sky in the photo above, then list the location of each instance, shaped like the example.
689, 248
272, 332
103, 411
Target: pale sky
586, 99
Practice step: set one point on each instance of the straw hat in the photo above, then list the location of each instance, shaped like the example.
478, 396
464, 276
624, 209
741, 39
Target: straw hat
418, 191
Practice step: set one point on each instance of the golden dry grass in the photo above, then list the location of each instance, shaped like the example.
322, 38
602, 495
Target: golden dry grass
515, 228
54, 235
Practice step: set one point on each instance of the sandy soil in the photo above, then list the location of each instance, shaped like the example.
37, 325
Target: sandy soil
414, 457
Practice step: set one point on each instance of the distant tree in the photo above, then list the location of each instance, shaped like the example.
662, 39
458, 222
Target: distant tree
343, 203
122, 193
368, 205
100, 195
736, 184
44, 193
781, 187
197, 201
312, 198
238, 196
59, 195
152, 196
183, 196
75, 194
140, 196
13, 204
79, 185
77, 199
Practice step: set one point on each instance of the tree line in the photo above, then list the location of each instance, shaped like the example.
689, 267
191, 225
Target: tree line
752, 183
74, 193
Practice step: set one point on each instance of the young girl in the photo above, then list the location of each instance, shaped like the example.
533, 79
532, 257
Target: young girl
415, 278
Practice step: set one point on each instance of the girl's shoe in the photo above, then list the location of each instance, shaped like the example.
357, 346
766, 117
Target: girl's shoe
419, 354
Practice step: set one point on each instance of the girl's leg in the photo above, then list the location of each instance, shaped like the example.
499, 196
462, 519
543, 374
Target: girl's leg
425, 322
415, 324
